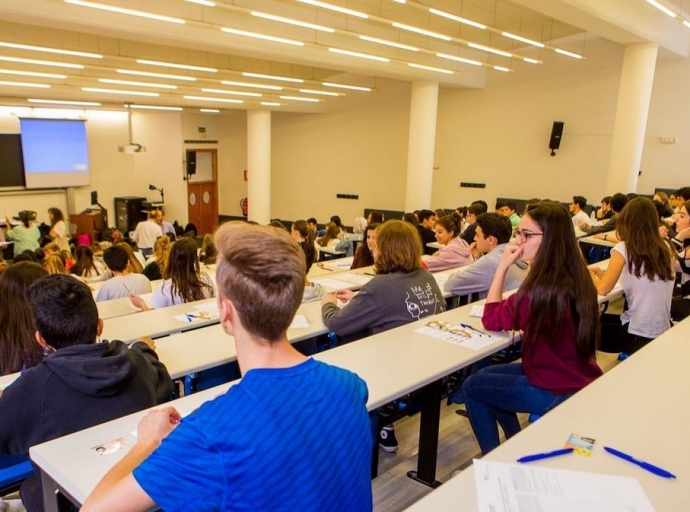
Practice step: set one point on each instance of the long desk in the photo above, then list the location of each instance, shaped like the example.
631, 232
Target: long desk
638, 407
420, 362
598, 241
113, 309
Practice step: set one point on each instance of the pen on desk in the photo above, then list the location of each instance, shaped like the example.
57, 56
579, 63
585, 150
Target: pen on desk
323, 267
370, 274
644, 465
466, 326
547, 455
190, 316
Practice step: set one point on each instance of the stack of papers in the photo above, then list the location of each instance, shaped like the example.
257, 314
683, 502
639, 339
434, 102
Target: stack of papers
476, 340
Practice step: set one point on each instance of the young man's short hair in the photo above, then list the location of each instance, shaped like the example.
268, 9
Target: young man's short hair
580, 201
481, 203
684, 192
262, 271
116, 258
511, 205
312, 220
424, 215
618, 202
64, 310
606, 199
495, 225
476, 209
500, 204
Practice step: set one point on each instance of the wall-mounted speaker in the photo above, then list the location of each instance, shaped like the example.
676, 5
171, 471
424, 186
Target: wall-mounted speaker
556, 134
191, 163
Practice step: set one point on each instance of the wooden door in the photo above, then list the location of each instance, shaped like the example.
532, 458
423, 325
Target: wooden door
202, 192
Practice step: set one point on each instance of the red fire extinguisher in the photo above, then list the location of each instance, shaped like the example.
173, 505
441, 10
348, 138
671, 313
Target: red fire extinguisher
245, 206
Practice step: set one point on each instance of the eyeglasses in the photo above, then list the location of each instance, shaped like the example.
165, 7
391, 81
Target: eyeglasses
525, 235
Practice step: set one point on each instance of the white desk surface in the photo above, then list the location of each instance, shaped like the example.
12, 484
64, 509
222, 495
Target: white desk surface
329, 250
154, 323
208, 347
329, 267
597, 241
419, 360
639, 407
114, 308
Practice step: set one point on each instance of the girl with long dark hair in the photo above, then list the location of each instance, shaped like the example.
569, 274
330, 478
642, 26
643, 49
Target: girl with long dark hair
556, 308
183, 279
305, 236
58, 228
86, 266
19, 349
644, 264
364, 255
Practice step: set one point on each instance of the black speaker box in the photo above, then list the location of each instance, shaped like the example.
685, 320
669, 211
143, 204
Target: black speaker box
191, 163
556, 134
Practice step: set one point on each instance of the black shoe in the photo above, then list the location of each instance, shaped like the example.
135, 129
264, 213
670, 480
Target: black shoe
387, 439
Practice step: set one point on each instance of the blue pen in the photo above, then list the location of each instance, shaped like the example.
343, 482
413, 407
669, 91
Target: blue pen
644, 465
465, 326
547, 455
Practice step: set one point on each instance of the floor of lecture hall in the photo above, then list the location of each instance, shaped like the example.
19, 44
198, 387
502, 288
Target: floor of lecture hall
394, 491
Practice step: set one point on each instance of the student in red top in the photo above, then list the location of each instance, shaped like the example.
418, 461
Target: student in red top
556, 308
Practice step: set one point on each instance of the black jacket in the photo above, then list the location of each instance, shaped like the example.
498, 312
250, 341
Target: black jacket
75, 388
427, 236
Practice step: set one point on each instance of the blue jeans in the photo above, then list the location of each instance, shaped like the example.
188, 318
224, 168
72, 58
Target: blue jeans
495, 394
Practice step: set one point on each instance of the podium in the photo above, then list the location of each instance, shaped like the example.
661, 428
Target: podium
90, 222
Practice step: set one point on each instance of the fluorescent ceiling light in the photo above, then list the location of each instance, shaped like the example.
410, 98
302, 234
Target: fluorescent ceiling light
523, 39
207, 98
23, 84
264, 37
156, 75
336, 8
568, 54
65, 102
237, 93
531, 61
202, 2
399, 1
138, 84
459, 59
256, 86
49, 50
360, 55
662, 8
389, 43
274, 77
453, 17
292, 22
430, 68
178, 66
489, 49
152, 107
501, 68
422, 31
31, 73
322, 93
686, 23
299, 98
209, 110
120, 91
131, 12
42, 62
346, 86
271, 104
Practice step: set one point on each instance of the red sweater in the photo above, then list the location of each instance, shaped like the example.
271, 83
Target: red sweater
556, 368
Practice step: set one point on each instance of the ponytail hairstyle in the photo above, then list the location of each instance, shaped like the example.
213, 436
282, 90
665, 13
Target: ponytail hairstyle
450, 223
309, 235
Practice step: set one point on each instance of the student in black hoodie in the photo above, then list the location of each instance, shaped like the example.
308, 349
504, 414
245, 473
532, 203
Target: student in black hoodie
83, 382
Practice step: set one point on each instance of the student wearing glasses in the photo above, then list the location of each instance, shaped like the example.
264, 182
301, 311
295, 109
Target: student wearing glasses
556, 309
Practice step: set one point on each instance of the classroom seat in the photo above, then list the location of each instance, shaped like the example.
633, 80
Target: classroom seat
15, 469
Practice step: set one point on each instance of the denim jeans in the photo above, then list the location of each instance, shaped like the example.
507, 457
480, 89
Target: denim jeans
495, 394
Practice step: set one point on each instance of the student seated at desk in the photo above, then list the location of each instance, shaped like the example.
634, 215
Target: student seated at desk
492, 235
161, 253
123, 283
347, 240
618, 202
401, 292
473, 211
425, 229
364, 255
644, 264
456, 252
86, 267
304, 236
556, 308
18, 347
331, 238
680, 305
184, 281
292, 435
83, 382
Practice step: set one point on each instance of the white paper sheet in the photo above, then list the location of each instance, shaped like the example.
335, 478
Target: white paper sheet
299, 322
476, 342
334, 284
503, 487
477, 311
354, 278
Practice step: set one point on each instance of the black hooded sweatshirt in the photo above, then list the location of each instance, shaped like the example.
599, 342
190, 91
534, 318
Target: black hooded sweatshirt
76, 388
